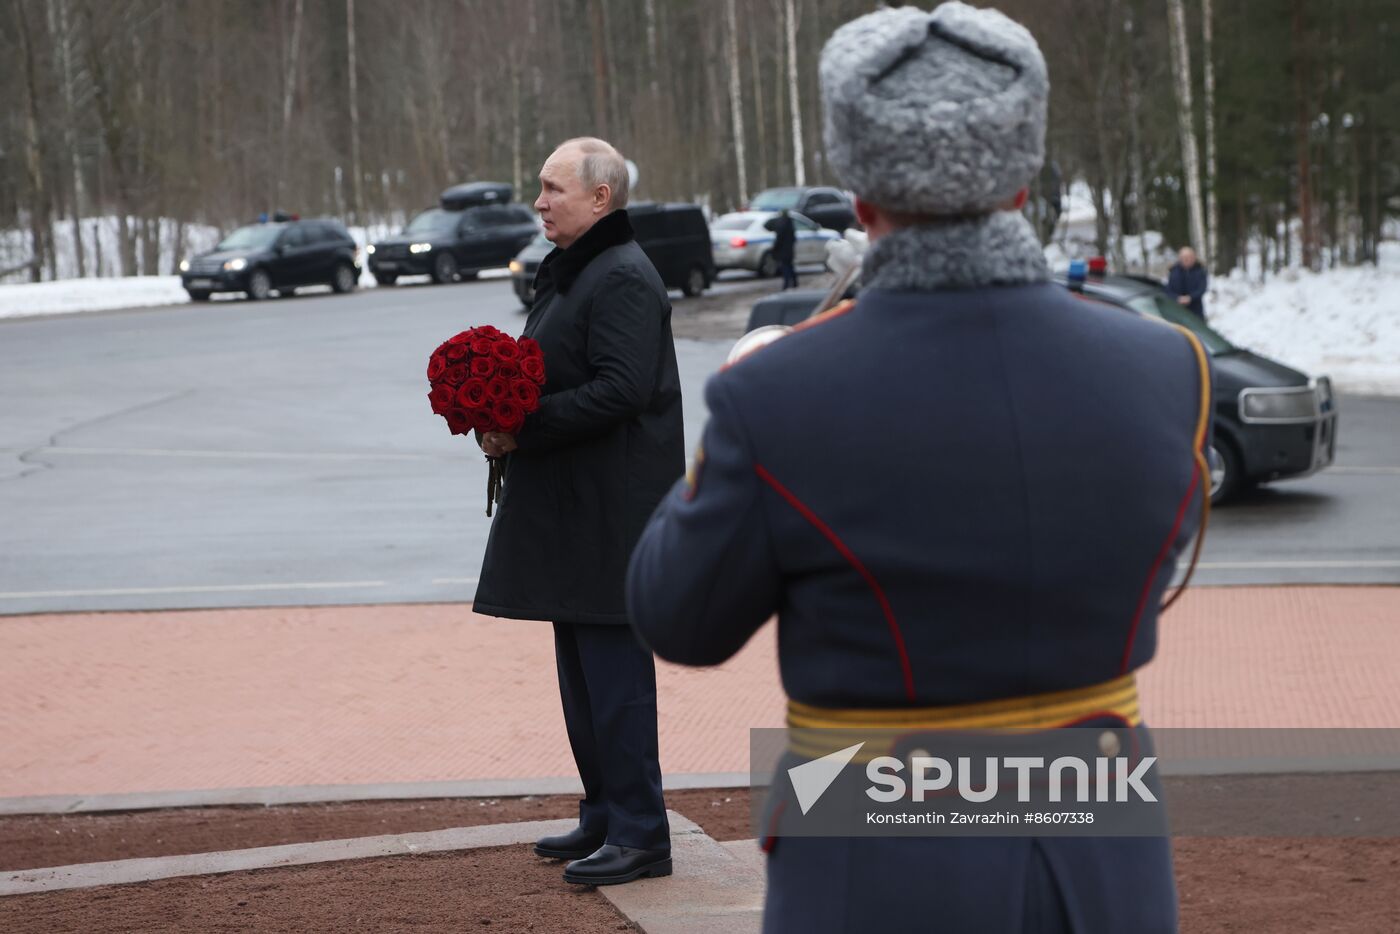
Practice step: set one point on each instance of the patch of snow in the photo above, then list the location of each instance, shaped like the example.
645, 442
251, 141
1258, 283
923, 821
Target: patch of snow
70, 295
1343, 322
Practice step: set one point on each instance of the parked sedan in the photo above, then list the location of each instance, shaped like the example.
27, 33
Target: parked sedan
742, 241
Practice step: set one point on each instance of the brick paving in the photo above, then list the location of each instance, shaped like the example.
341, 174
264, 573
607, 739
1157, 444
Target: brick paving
112, 703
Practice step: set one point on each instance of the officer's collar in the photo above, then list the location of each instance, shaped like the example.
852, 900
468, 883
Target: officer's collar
563, 267
960, 253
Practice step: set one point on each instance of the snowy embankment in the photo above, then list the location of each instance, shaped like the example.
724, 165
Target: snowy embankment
1343, 322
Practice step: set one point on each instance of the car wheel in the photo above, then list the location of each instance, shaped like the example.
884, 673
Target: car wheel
695, 282
1225, 472
344, 280
199, 296
259, 285
444, 269
767, 266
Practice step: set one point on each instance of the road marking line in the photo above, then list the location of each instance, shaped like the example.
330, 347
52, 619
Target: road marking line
1286, 565
218, 588
241, 455
1378, 471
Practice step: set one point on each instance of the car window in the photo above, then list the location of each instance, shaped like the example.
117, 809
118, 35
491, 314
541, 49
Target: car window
1160, 305
294, 236
776, 199
803, 223
818, 199
432, 221
732, 222
252, 237
334, 231
519, 214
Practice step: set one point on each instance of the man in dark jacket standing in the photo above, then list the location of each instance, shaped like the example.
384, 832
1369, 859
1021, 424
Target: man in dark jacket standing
581, 478
784, 247
1187, 281
991, 575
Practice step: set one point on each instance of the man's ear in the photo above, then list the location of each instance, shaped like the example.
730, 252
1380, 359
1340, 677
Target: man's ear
866, 213
602, 197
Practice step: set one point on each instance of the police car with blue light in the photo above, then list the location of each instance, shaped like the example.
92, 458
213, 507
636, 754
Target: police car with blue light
742, 240
1272, 422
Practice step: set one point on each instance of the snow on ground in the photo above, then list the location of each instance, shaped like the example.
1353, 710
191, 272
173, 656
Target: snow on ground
100, 239
1342, 322
68, 295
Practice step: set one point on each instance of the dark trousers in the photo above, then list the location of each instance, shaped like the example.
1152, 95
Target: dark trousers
789, 273
607, 681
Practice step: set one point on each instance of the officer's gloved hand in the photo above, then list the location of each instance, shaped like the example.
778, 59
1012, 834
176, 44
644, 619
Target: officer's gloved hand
846, 254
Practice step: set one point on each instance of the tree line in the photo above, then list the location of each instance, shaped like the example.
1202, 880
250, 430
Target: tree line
1269, 127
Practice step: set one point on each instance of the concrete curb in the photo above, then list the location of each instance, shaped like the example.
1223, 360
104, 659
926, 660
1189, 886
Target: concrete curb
322, 794
126, 871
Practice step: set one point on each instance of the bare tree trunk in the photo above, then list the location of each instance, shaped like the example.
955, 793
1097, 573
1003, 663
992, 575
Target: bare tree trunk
289, 86
59, 12
1212, 205
799, 170
736, 100
516, 159
758, 108
357, 192
1190, 154
1135, 174
600, 68
1304, 146
34, 160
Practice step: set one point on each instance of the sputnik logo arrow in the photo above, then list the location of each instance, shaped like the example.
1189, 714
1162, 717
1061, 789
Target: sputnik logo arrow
810, 780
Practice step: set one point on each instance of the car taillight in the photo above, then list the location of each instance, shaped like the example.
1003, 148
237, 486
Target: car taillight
738, 242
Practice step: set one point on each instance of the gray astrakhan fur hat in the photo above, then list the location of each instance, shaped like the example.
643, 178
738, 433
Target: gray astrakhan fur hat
934, 113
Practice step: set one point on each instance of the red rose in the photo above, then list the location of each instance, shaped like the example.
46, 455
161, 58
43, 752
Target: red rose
481, 346
497, 389
505, 349
456, 351
529, 347
460, 338
456, 374
510, 416
487, 330
508, 369
526, 393
441, 398
482, 419
472, 395
436, 364
483, 367
458, 421
532, 368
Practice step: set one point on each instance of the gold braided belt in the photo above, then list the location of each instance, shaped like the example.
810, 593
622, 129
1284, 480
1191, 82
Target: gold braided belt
816, 731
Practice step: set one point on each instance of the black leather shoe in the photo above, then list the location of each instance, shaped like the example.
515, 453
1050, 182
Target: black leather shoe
572, 845
613, 864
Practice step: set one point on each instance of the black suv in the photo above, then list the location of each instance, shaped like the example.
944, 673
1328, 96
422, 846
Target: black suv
475, 228
278, 255
674, 237
1271, 421
827, 206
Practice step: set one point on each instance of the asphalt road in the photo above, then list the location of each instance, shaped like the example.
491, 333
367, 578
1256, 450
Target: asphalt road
241, 454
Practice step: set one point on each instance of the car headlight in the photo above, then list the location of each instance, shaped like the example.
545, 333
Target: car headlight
515, 266
420, 247
236, 265
1278, 405
370, 248
184, 265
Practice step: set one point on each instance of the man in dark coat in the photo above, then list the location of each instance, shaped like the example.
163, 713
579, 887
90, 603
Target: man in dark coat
784, 247
1187, 281
581, 478
986, 542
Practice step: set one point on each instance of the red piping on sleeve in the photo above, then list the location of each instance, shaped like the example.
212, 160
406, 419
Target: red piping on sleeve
1157, 566
860, 569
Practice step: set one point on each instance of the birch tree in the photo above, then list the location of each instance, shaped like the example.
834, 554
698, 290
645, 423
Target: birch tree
1185, 109
356, 189
1212, 203
736, 101
799, 171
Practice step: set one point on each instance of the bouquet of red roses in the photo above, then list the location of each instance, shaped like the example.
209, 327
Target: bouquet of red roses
484, 380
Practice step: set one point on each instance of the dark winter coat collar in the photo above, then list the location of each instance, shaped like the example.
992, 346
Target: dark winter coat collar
563, 267
960, 253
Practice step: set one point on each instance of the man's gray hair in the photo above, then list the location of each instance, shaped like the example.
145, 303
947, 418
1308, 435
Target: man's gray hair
601, 164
